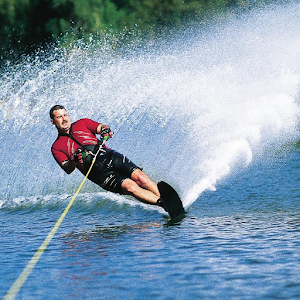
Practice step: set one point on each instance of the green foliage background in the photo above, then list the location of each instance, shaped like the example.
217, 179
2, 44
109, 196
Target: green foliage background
25, 24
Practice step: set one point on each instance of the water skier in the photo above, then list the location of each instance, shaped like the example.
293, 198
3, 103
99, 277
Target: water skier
77, 144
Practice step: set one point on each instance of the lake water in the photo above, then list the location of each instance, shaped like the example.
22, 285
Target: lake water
213, 112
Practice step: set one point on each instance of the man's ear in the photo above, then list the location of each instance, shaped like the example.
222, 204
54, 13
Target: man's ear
51, 121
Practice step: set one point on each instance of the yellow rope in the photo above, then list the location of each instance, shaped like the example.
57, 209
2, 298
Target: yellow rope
17, 285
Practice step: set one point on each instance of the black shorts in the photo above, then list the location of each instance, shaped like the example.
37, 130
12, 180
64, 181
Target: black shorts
110, 170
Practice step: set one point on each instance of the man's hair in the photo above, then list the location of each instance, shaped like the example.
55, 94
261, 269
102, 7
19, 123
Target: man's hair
55, 107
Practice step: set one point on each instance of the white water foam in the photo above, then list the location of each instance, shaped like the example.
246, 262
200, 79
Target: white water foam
84, 200
190, 112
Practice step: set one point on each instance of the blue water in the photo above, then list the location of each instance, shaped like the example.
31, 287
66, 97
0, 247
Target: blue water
215, 113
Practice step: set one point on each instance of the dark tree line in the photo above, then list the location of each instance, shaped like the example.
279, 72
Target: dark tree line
27, 23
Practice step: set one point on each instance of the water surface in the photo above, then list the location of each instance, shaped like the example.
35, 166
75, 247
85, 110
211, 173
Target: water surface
214, 113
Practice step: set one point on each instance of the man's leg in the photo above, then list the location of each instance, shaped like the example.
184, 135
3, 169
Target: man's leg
144, 181
141, 187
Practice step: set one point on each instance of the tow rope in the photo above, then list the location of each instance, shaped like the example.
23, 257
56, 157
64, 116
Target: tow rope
17, 285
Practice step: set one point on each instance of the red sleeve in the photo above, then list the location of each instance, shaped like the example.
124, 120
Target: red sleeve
91, 125
58, 155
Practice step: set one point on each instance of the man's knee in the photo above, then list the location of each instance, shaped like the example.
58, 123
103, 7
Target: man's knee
140, 178
129, 186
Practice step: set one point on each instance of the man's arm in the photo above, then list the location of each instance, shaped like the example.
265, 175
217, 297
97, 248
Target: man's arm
61, 158
101, 127
104, 131
68, 166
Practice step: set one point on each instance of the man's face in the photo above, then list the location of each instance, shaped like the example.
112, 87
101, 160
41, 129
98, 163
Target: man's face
61, 120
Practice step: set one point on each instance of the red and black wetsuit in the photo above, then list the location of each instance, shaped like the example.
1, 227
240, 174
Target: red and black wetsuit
110, 169
84, 131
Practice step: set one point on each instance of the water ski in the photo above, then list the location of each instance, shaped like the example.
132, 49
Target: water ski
170, 199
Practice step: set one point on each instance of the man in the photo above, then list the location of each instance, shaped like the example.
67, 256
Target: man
77, 144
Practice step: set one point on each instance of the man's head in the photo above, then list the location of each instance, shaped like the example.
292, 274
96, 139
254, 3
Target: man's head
60, 118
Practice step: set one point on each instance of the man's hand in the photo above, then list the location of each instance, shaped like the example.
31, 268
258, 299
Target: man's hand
106, 132
79, 155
